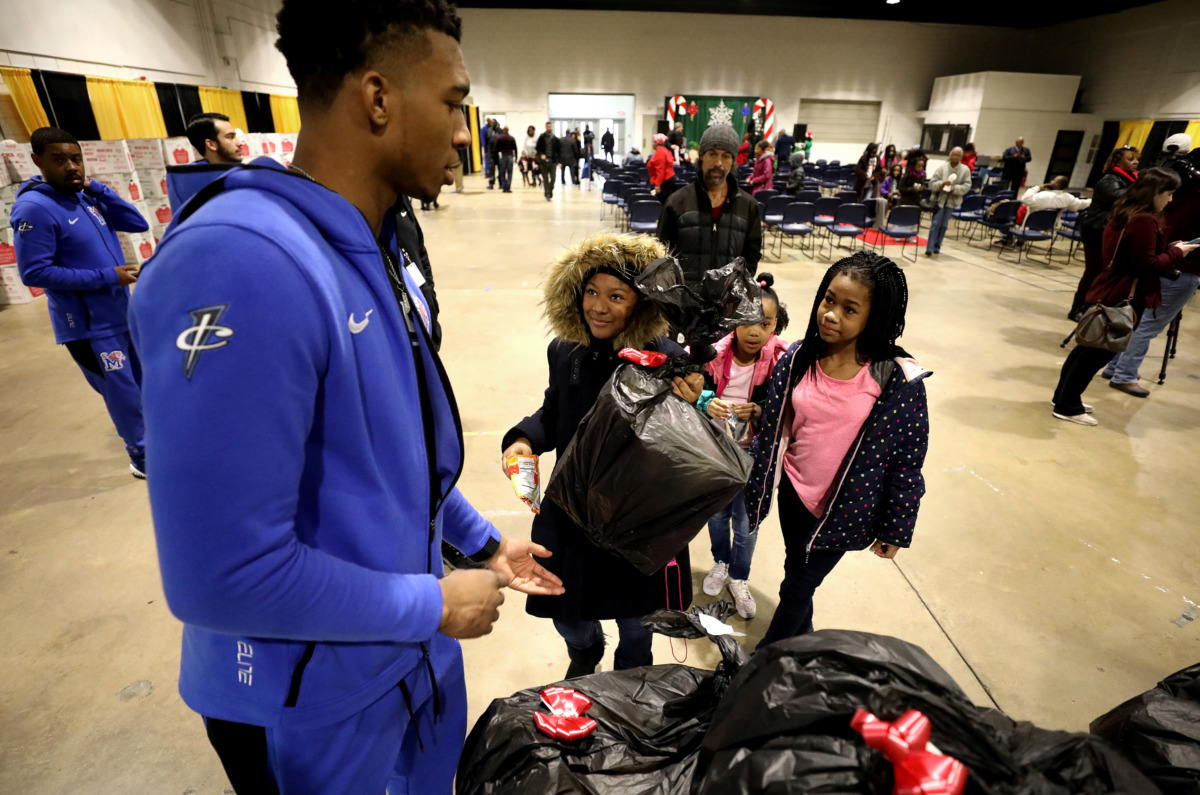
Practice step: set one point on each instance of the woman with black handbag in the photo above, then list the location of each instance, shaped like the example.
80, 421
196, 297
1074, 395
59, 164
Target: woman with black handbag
1136, 257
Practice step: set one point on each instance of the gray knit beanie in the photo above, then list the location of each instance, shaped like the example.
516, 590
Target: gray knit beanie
719, 136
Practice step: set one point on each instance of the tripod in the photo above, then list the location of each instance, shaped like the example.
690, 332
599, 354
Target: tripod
1172, 344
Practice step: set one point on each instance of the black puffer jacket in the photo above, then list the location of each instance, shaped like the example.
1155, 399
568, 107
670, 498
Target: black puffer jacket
1108, 189
686, 226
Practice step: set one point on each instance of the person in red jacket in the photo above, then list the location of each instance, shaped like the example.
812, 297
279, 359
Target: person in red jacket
764, 168
1137, 256
743, 152
661, 167
970, 157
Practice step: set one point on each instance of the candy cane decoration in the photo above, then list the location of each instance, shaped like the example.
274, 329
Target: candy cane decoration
769, 107
677, 103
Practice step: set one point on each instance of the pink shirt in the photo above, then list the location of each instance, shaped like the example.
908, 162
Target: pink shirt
738, 389
829, 413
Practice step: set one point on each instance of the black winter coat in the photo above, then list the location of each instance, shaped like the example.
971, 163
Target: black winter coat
686, 226
547, 145
599, 585
1108, 189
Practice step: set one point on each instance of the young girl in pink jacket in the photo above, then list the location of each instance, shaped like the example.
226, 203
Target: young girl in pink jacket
735, 386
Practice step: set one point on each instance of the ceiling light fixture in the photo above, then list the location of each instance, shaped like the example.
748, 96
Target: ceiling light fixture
892, 2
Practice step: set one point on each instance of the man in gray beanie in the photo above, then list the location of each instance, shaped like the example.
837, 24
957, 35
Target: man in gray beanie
713, 221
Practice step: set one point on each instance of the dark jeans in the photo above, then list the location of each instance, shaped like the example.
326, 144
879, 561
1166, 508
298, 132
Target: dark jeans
573, 168
1078, 371
667, 187
585, 642
1093, 263
1013, 181
547, 177
506, 166
803, 571
608, 154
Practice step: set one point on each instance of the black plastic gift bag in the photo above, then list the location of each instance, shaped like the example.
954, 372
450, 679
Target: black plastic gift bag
1159, 731
645, 470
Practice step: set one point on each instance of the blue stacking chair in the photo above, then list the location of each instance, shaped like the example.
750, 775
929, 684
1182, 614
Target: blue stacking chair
797, 222
849, 221
609, 194
970, 210
808, 195
826, 208
1070, 233
773, 212
903, 224
1001, 221
764, 196
643, 215
1038, 226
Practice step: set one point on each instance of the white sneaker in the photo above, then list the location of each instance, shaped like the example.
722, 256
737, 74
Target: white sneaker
714, 581
1087, 407
742, 600
1078, 419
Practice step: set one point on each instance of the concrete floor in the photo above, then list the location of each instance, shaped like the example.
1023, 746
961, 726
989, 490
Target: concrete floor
1049, 558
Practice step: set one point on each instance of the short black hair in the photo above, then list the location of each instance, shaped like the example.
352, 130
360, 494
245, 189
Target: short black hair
322, 44
44, 136
202, 128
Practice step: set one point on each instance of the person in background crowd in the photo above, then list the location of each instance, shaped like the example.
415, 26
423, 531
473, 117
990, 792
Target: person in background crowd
634, 158
711, 222
969, 156
947, 186
807, 145
888, 159
214, 138
506, 151
847, 419
764, 168
529, 167
568, 159
595, 310
305, 443
678, 142
608, 143
1015, 157
492, 160
735, 386
1053, 195
1135, 256
912, 184
1121, 172
795, 182
661, 168
743, 152
866, 173
783, 147
1182, 221
890, 187
457, 170
589, 139
65, 228
548, 153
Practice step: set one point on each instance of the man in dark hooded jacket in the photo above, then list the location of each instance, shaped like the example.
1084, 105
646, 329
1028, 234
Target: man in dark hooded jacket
713, 221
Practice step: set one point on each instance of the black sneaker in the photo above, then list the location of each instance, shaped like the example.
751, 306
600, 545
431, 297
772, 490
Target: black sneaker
137, 467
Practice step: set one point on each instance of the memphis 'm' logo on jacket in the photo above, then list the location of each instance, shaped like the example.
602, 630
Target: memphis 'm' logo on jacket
113, 360
203, 335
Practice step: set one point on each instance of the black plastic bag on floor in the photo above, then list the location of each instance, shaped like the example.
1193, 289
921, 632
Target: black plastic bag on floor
650, 722
645, 470
784, 726
727, 297
1159, 731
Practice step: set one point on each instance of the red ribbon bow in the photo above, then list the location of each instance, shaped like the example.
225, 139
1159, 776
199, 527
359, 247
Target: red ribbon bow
646, 358
567, 722
918, 771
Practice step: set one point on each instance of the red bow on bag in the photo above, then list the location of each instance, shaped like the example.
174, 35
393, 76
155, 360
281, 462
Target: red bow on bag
918, 771
567, 722
646, 358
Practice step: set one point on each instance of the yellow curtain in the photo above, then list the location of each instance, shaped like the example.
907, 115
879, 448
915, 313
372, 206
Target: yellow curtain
223, 100
285, 113
1133, 133
24, 95
125, 109
1193, 129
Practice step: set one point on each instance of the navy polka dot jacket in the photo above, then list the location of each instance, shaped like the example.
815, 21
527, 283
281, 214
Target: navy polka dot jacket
879, 485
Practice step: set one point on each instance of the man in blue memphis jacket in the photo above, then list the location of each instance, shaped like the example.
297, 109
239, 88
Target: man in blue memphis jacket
66, 241
304, 438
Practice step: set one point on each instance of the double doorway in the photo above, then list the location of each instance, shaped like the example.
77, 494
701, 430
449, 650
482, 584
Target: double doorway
598, 126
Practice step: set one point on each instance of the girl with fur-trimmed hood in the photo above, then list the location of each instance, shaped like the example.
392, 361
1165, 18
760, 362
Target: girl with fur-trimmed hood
595, 311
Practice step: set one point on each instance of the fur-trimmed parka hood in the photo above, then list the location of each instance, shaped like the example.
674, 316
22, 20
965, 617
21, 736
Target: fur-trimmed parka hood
629, 254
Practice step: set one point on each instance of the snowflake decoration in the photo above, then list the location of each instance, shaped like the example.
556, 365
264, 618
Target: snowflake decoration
721, 114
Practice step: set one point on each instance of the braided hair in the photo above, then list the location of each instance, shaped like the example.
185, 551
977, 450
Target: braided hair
885, 321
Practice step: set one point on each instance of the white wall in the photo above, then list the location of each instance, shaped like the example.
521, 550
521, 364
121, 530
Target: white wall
517, 57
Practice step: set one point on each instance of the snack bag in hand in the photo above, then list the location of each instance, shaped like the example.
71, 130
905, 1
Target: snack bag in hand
523, 470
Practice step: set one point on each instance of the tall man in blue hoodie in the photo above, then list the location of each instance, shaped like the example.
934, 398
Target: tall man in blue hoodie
66, 240
304, 436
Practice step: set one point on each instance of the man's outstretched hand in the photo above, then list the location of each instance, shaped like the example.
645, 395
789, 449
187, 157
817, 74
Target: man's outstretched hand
515, 559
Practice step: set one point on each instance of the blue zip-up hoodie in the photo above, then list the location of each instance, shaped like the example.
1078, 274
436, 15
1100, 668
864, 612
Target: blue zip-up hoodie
67, 244
284, 426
